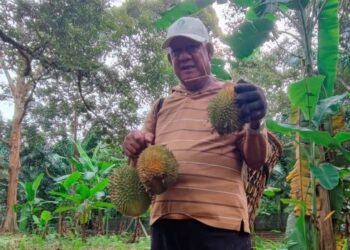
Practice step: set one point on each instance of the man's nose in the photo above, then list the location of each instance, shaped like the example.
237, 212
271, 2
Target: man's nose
184, 55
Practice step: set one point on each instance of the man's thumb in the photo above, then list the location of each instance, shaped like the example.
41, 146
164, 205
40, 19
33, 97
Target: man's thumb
149, 139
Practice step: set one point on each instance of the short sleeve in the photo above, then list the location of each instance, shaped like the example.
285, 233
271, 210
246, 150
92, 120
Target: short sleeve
150, 122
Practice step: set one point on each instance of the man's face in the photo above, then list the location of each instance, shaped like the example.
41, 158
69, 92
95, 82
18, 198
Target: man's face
190, 60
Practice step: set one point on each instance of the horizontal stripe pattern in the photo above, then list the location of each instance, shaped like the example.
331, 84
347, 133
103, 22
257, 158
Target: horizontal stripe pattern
209, 187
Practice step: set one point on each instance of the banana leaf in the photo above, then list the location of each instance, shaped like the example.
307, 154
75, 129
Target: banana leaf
185, 8
250, 35
217, 68
305, 93
328, 40
245, 3
297, 4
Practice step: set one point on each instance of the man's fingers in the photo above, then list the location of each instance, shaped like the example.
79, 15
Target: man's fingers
252, 111
257, 115
247, 97
149, 139
244, 114
240, 88
139, 137
134, 143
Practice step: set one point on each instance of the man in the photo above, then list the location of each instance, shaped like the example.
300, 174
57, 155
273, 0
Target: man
207, 207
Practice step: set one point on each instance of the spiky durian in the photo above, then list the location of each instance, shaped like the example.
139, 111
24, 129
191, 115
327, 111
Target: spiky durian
223, 112
157, 168
127, 193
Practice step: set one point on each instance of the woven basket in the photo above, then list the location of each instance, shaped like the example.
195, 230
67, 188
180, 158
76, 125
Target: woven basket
255, 180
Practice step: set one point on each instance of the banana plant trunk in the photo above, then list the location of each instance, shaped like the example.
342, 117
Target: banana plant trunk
325, 224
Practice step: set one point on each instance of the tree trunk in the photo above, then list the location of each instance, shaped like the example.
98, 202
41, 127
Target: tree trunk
75, 138
19, 92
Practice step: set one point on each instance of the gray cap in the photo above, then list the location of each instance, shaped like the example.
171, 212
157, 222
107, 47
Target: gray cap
189, 27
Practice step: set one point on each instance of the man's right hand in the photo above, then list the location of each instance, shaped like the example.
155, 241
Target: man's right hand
135, 142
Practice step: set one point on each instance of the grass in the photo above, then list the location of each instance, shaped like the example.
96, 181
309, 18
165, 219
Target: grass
264, 244
52, 242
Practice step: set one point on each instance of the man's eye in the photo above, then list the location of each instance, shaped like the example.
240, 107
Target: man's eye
176, 51
192, 48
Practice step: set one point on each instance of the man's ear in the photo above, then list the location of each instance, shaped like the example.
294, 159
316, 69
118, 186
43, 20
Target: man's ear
169, 59
210, 49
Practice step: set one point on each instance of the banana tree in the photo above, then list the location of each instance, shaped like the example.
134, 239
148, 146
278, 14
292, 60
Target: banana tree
83, 191
32, 205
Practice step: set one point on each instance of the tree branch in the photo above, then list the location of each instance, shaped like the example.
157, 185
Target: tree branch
15, 44
89, 109
48, 173
7, 73
22, 50
292, 35
284, 49
347, 87
290, 18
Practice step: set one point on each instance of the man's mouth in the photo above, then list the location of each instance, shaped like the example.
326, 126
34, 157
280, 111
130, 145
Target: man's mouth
187, 67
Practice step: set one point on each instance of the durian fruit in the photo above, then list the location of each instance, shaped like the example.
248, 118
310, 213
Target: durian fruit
127, 193
223, 112
157, 168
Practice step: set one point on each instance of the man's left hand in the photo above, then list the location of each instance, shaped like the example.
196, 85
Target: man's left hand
252, 103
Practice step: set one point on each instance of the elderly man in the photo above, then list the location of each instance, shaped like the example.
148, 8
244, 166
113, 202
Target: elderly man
207, 207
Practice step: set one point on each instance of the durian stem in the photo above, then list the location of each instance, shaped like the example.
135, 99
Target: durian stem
132, 162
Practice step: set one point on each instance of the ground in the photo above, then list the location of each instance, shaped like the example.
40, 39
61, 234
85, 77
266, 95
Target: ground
52, 242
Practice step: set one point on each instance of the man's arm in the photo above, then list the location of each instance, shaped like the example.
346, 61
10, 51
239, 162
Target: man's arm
253, 106
254, 147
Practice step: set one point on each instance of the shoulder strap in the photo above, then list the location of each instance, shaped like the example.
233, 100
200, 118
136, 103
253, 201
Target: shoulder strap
159, 105
156, 108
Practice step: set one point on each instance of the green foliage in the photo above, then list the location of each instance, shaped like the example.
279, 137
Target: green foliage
304, 94
261, 243
328, 106
271, 191
83, 191
319, 137
245, 3
102, 242
43, 222
297, 4
217, 68
336, 196
328, 42
76, 31
185, 8
32, 205
297, 232
251, 34
327, 174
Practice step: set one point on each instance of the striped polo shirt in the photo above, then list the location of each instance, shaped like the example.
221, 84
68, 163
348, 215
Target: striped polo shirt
209, 187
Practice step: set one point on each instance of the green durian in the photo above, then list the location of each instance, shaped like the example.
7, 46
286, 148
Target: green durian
157, 168
127, 193
223, 113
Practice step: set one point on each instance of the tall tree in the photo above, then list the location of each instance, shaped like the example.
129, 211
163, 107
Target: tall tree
75, 65
131, 72
34, 44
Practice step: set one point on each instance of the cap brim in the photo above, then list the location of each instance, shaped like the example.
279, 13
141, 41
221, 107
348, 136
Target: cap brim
190, 36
